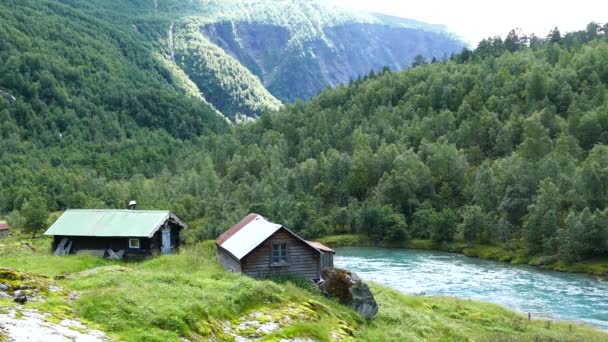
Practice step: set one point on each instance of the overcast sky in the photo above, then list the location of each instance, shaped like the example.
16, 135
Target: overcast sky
474, 20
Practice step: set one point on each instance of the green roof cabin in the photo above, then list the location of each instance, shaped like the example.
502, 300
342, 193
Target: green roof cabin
116, 234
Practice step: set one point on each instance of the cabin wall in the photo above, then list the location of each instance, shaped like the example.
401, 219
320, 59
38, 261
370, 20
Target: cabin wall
4, 233
230, 263
80, 243
327, 260
302, 260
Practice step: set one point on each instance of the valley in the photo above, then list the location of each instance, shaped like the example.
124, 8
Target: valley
362, 128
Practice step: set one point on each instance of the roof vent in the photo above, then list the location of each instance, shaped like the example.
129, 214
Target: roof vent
132, 205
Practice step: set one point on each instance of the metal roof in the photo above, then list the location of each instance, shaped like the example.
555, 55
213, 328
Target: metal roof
320, 246
111, 223
4, 225
249, 233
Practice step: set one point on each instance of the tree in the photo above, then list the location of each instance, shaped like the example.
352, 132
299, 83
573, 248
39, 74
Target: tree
536, 87
592, 30
584, 235
537, 142
543, 220
512, 42
554, 36
36, 216
484, 188
419, 60
382, 223
443, 225
476, 224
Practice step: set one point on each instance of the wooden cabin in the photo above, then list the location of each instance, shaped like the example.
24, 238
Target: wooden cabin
5, 229
259, 248
117, 234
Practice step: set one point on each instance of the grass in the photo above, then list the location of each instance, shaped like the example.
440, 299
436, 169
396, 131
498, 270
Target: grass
513, 252
189, 296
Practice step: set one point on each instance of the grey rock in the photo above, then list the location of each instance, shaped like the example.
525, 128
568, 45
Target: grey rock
350, 290
20, 297
4, 287
4, 295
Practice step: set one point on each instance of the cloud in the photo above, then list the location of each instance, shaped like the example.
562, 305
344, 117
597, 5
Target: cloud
474, 19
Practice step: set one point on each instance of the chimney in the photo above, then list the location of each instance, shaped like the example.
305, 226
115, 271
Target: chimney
132, 205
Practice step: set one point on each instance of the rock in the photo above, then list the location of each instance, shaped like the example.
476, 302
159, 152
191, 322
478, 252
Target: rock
20, 297
4, 287
350, 290
4, 295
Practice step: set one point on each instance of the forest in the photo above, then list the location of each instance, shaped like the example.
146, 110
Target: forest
506, 143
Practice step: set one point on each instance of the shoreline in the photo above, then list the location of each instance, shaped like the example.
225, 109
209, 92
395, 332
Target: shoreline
508, 253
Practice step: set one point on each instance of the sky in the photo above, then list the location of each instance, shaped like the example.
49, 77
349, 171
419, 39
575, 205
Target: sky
474, 20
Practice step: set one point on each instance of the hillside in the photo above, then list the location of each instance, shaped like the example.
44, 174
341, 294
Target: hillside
504, 145
243, 57
188, 297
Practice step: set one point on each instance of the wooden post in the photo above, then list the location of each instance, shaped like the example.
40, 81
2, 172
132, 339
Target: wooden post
529, 316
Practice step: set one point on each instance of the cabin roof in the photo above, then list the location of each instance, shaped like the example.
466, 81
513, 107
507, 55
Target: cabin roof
321, 246
4, 225
111, 223
249, 233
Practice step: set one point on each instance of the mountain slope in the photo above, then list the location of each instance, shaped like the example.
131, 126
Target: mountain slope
245, 55
297, 48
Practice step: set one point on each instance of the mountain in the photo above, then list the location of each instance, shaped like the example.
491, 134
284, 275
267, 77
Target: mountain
245, 57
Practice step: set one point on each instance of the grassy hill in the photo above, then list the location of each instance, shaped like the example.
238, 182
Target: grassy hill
190, 296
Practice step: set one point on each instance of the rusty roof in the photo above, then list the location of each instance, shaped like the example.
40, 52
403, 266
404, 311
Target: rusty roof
320, 246
249, 233
234, 229
4, 225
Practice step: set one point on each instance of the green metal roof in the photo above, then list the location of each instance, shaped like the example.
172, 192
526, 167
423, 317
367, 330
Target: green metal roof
111, 223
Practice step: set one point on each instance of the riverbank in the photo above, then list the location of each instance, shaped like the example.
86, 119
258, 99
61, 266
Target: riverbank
189, 297
514, 253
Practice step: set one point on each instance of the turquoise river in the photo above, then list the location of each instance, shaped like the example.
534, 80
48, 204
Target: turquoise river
526, 289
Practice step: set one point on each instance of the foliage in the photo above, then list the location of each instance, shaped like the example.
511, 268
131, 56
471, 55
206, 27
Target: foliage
36, 216
508, 144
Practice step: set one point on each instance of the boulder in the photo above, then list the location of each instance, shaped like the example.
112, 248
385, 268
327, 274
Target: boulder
20, 297
350, 290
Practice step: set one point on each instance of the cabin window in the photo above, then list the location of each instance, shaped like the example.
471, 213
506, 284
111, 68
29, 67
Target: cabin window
279, 253
134, 243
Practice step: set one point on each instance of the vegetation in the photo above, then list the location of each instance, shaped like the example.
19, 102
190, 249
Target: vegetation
500, 145
189, 295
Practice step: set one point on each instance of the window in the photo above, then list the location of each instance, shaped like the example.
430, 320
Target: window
134, 243
279, 253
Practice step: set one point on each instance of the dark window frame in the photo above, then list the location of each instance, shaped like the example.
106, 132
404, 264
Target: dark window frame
138, 243
279, 253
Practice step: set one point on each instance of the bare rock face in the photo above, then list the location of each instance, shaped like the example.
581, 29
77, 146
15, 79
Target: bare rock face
350, 290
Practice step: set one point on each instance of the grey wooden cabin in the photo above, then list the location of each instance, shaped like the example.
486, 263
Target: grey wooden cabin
259, 248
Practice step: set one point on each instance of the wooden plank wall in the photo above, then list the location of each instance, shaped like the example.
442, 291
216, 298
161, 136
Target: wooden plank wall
327, 260
229, 263
303, 260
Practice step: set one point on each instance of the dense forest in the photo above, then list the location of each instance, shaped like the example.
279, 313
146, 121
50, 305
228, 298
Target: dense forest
504, 143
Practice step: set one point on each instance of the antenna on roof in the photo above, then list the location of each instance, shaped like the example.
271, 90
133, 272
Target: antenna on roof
132, 205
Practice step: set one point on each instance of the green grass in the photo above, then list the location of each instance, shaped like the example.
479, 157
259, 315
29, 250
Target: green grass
513, 252
189, 295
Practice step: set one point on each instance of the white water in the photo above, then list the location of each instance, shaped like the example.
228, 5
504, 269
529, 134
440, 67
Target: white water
561, 296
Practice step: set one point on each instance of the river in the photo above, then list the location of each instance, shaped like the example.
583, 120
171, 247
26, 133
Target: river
547, 294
